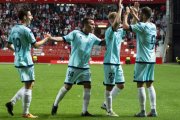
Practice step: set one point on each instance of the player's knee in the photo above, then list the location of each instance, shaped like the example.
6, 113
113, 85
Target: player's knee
87, 85
109, 87
29, 84
140, 84
149, 84
120, 86
68, 87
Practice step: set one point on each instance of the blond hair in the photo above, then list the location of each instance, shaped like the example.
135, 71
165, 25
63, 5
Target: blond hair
112, 15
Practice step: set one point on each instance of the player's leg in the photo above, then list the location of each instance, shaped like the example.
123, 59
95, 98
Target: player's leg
117, 89
71, 76
108, 97
109, 82
9, 105
27, 76
119, 80
27, 97
142, 100
151, 91
84, 78
139, 77
86, 99
18, 95
62, 92
152, 99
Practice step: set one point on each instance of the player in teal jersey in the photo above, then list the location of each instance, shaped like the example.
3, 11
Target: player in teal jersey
113, 73
20, 40
145, 59
78, 70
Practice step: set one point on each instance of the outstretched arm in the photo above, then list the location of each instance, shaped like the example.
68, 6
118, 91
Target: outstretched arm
39, 43
117, 20
57, 39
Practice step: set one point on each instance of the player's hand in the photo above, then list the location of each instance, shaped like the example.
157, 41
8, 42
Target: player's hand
127, 10
47, 36
132, 10
120, 4
136, 7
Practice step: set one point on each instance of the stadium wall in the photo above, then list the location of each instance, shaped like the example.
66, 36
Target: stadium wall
49, 59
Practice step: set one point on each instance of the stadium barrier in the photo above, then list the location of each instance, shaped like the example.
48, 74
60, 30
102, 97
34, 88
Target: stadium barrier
56, 60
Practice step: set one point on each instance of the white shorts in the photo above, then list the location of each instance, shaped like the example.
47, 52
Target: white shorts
144, 72
26, 74
77, 76
113, 74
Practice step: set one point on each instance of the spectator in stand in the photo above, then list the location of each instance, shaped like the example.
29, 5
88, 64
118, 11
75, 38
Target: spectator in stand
55, 20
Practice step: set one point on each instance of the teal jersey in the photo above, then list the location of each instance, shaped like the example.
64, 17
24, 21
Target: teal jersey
22, 38
81, 46
145, 40
113, 45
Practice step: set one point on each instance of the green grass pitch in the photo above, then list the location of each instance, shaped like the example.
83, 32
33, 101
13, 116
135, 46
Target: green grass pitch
49, 79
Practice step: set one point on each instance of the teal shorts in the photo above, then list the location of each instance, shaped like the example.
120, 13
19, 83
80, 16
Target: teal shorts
113, 74
77, 76
26, 74
144, 72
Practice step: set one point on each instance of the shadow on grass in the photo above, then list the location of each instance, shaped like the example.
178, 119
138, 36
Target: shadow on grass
79, 117
43, 116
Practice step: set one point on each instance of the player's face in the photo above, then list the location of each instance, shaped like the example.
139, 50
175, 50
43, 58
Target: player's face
29, 18
111, 21
141, 17
90, 26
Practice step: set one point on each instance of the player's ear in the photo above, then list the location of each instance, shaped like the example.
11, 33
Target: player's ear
25, 17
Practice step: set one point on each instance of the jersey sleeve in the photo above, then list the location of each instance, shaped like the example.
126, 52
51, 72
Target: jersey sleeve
30, 36
10, 39
97, 40
69, 37
109, 33
137, 28
123, 33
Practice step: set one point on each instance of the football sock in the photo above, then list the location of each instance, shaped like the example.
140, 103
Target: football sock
142, 97
115, 91
86, 98
108, 100
152, 97
17, 96
62, 92
27, 100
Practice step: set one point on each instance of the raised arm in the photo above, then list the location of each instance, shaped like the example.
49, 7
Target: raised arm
134, 12
125, 21
117, 20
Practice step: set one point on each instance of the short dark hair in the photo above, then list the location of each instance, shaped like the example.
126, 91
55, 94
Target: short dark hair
23, 12
85, 21
146, 11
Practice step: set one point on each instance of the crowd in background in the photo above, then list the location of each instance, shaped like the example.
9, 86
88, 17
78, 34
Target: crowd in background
60, 19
